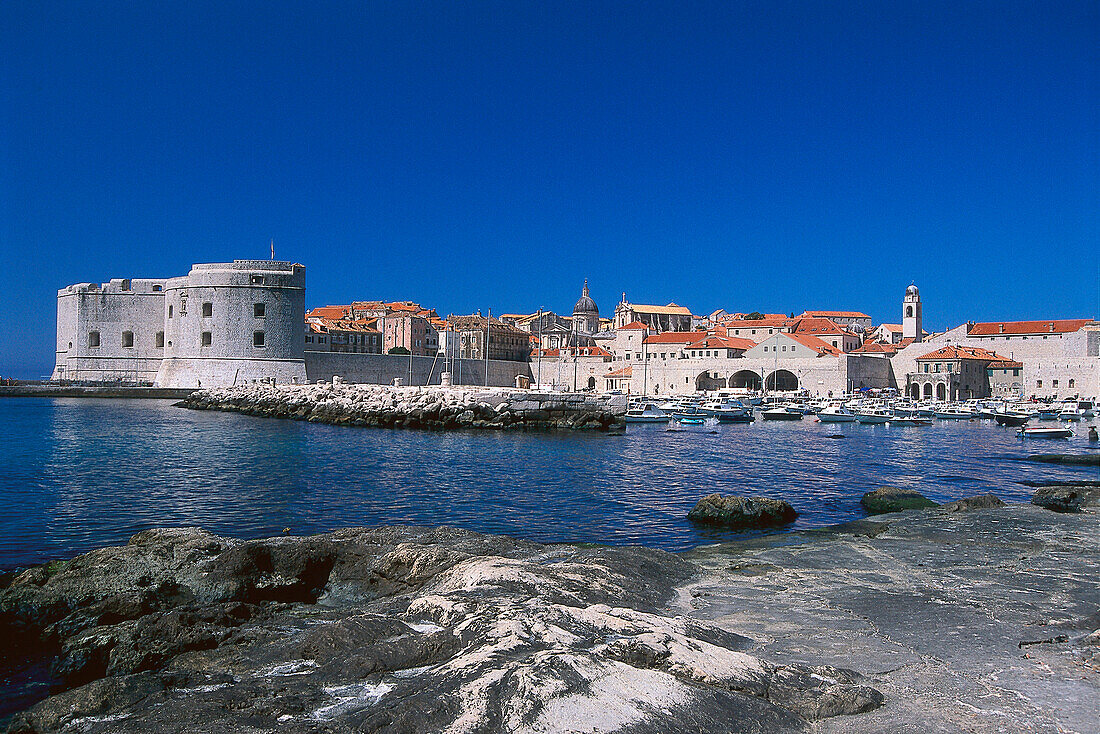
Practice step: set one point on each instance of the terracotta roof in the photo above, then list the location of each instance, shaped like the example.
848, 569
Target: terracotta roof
816, 344
836, 314
952, 351
890, 327
329, 312
722, 342
818, 326
627, 371
675, 337
633, 325
1058, 326
771, 322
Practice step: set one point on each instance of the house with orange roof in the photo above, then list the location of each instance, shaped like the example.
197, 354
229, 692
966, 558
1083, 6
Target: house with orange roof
844, 318
829, 331
672, 317
957, 372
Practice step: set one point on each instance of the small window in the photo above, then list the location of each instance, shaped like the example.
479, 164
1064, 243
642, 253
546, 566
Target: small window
207, 309
126, 284
257, 280
207, 338
257, 338
1054, 383
127, 338
160, 339
259, 310
169, 310
1038, 383
156, 289
93, 338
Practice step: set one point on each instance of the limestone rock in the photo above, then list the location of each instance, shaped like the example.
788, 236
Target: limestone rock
742, 512
395, 629
980, 502
894, 499
1064, 498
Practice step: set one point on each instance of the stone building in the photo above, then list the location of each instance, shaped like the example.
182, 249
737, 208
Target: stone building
657, 318
842, 318
912, 315
220, 324
113, 331
504, 342
955, 373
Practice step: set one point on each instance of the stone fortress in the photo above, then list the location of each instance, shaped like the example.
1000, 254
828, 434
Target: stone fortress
222, 323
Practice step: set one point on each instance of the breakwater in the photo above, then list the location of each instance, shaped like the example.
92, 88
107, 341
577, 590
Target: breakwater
433, 408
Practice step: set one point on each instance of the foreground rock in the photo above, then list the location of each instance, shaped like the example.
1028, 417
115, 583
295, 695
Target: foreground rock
981, 502
894, 499
432, 408
1063, 498
983, 621
1071, 459
395, 629
742, 512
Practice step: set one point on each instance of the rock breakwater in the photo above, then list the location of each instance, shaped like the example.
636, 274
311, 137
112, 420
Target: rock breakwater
432, 408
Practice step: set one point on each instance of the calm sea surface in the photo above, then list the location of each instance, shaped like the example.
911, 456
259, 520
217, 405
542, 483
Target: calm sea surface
78, 474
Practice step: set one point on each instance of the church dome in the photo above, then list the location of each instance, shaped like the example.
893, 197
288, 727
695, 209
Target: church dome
585, 305
911, 290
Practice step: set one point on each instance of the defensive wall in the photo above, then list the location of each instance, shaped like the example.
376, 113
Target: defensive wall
382, 369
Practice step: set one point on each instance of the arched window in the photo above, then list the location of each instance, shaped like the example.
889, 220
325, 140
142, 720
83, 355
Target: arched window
909, 311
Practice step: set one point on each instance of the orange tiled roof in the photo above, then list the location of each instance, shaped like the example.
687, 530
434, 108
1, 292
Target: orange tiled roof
722, 342
816, 344
633, 325
817, 326
876, 348
1058, 326
627, 371
772, 321
952, 351
329, 312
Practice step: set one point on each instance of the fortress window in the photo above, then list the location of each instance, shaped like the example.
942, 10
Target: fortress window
126, 284
259, 310
160, 339
257, 338
127, 338
1070, 383
257, 280
207, 338
169, 310
93, 338
207, 309
156, 289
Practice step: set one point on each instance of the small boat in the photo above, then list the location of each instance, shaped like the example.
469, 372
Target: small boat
1011, 418
1049, 413
910, 420
874, 416
1070, 412
691, 420
648, 413
1043, 432
956, 411
836, 414
780, 413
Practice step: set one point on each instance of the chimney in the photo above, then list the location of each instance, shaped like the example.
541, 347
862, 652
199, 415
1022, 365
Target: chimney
1002, 328
1051, 327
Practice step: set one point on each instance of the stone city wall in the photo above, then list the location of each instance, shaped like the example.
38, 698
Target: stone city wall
382, 369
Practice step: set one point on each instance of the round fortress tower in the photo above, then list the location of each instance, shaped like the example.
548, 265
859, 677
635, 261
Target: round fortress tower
234, 323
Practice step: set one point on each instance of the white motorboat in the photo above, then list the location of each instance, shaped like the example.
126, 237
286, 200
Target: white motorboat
836, 414
781, 413
1044, 432
910, 420
957, 411
1070, 412
874, 416
648, 413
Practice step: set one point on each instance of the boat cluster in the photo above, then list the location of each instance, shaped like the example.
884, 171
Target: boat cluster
744, 408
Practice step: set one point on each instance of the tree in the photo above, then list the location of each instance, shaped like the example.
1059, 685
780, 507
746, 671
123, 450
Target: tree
754, 316
398, 350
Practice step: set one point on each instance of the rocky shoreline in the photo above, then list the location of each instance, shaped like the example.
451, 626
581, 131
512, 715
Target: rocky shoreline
431, 408
929, 620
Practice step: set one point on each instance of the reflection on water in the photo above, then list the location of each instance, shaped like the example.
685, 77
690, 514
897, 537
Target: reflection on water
86, 473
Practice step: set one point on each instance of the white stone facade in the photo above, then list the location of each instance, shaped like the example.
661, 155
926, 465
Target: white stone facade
221, 324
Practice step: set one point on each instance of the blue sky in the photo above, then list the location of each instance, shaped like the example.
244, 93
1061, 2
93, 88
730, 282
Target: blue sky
763, 155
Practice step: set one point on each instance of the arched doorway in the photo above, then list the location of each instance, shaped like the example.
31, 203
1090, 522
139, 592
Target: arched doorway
781, 380
745, 380
591, 383
928, 389
709, 381
914, 391
941, 391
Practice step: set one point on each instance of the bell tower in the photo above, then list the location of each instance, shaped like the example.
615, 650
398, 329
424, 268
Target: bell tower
911, 316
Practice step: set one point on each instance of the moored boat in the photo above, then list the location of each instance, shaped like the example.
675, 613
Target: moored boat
874, 416
1011, 418
836, 414
910, 420
648, 413
1044, 432
780, 413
